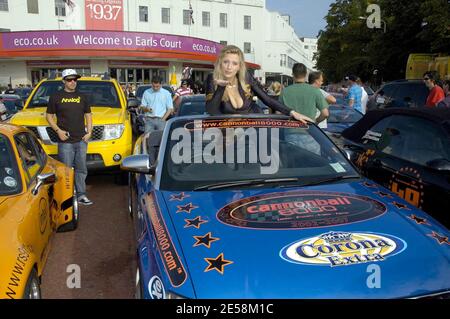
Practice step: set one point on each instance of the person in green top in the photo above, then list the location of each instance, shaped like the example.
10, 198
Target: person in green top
304, 98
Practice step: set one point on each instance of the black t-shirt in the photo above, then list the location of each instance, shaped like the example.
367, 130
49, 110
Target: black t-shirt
70, 108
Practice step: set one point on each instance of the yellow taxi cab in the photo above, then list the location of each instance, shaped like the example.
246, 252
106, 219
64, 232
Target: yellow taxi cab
37, 198
111, 139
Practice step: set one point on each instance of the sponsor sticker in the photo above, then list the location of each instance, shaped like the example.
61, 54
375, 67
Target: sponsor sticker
9, 181
343, 249
338, 168
299, 210
156, 288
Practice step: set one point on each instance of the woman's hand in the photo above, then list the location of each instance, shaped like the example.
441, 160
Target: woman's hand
300, 117
221, 82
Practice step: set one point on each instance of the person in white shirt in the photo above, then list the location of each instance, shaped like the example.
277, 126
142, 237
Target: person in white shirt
3, 110
364, 96
316, 79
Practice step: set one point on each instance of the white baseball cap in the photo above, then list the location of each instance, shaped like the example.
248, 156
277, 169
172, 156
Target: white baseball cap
70, 72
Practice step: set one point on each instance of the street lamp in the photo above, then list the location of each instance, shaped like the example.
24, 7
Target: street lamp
365, 18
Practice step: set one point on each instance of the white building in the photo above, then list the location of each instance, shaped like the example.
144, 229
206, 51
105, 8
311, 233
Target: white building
136, 39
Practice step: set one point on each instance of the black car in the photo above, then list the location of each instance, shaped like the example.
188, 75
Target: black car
401, 93
407, 151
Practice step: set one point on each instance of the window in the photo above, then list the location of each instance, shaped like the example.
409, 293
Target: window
186, 17
3, 5
206, 19
224, 43
306, 47
291, 62
247, 47
143, 13
165, 15
283, 60
32, 6
31, 160
402, 139
247, 22
60, 8
223, 20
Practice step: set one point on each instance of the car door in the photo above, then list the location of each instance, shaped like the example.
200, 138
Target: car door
400, 148
36, 221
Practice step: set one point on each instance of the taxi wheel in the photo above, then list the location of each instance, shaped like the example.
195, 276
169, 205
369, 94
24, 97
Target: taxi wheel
32, 289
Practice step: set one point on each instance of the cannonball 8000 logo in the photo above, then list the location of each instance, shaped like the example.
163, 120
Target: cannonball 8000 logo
343, 248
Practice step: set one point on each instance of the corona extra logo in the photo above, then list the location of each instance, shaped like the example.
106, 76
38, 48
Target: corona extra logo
343, 249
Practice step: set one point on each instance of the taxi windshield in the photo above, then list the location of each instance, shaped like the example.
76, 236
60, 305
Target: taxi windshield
216, 152
9, 177
103, 94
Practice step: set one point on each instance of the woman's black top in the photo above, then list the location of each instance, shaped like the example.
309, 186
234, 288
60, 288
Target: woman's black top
215, 105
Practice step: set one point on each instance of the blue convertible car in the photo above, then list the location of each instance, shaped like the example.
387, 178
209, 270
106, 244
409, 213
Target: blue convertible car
267, 207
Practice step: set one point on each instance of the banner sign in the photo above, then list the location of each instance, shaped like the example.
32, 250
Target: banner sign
100, 40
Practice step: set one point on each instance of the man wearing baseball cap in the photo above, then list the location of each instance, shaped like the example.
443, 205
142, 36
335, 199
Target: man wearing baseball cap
71, 110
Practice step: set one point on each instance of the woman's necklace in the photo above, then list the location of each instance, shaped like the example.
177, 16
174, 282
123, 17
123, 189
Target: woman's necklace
231, 85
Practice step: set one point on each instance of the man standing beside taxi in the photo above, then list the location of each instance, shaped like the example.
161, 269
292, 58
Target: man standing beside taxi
71, 110
157, 104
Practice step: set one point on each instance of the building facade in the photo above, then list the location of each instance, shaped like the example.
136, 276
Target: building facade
135, 40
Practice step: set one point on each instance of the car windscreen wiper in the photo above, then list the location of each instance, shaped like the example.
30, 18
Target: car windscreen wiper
331, 180
250, 182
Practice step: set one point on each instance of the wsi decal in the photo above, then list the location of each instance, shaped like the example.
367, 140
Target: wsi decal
156, 288
343, 249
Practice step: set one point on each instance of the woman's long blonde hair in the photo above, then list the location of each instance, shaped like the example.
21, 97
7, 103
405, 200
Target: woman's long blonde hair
218, 74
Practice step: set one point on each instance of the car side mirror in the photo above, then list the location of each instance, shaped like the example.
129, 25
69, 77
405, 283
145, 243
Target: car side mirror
43, 179
138, 164
439, 164
133, 103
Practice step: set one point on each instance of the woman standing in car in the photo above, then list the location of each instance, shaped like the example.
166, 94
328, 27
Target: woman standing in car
230, 89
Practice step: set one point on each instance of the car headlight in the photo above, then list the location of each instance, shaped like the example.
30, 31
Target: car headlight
113, 131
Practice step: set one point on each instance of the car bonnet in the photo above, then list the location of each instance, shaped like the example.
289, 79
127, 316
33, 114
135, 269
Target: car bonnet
348, 240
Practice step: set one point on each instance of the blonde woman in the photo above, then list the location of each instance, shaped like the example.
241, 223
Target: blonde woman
275, 88
230, 89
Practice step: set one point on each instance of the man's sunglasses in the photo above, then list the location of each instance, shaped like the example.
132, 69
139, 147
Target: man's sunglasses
426, 79
71, 80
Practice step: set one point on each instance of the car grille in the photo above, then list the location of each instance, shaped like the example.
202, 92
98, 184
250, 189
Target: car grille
34, 130
97, 133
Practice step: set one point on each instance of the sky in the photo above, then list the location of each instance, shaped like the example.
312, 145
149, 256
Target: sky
307, 16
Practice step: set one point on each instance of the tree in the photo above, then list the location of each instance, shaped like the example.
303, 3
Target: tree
347, 45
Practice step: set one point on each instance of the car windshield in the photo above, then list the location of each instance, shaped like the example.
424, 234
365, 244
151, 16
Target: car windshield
99, 93
343, 115
192, 108
216, 151
9, 178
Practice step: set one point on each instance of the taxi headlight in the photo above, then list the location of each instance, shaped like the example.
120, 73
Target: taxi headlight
113, 131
